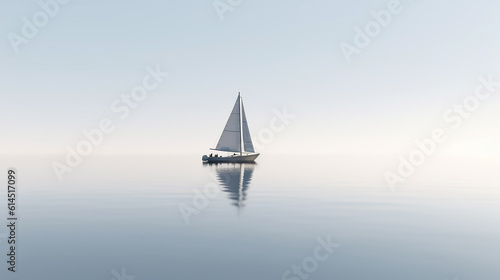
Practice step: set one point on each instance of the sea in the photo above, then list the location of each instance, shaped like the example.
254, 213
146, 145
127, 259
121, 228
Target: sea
148, 217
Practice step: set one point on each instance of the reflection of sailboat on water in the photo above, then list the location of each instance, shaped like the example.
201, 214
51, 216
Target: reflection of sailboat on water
235, 179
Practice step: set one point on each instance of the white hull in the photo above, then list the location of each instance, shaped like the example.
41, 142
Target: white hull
236, 158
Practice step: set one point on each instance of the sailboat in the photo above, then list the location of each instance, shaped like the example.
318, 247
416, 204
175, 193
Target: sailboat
235, 138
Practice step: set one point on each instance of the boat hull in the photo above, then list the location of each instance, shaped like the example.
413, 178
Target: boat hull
236, 159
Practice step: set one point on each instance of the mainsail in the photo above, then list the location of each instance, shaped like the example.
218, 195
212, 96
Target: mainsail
230, 140
236, 131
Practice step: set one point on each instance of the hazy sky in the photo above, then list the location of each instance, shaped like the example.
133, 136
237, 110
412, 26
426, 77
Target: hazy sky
277, 53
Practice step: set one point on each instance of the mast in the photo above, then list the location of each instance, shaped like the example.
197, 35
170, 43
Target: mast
241, 131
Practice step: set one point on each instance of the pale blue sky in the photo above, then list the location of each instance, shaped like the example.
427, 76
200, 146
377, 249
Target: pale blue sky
278, 53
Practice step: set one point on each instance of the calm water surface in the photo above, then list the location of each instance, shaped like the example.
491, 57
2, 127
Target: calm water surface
122, 212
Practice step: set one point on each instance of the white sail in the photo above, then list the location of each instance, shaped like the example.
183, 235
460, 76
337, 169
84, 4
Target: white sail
247, 140
230, 140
